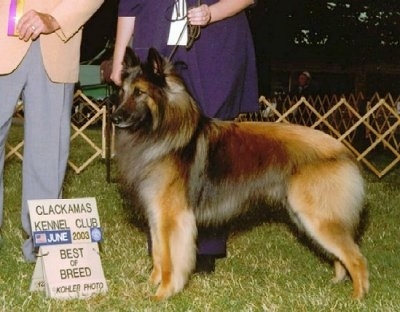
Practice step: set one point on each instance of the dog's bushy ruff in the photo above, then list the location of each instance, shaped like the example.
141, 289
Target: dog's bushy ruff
187, 169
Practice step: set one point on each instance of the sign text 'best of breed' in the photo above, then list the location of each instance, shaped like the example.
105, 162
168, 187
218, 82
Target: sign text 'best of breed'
67, 232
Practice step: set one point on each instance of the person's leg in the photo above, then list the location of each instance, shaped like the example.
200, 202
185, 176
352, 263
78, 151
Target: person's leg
211, 245
10, 90
47, 109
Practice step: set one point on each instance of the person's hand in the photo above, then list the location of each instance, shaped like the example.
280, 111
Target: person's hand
34, 23
116, 73
199, 16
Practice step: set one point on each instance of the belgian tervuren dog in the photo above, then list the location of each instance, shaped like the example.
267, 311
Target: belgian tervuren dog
188, 170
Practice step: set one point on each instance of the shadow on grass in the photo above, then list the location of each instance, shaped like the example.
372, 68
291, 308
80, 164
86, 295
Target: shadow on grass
265, 215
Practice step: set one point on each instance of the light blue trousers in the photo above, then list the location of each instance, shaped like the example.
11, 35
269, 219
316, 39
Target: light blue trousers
47, 114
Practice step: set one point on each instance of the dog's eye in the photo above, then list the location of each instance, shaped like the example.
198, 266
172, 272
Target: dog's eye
137, 92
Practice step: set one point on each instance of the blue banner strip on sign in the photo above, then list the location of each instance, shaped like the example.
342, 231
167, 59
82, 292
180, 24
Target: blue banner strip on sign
41, 238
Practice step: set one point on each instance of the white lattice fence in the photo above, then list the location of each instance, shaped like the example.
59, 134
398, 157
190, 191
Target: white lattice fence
370, 129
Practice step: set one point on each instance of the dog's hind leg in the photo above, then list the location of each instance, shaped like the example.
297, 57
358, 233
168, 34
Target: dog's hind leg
337, 240
334, 238
329, 212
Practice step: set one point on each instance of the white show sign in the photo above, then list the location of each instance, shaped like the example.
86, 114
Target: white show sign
66, 232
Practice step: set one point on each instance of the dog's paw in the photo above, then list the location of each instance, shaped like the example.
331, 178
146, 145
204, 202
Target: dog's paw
362, 287
337, 280
359, 294
155, 277
340, 272
163, 292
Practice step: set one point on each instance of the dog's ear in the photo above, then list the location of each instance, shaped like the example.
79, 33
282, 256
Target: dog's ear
130, 59
156, 64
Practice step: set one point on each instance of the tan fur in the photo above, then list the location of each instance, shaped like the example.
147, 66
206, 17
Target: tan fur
188, 170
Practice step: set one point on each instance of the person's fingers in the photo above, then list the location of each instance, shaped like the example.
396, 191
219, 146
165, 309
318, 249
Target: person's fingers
199, 15
31, 25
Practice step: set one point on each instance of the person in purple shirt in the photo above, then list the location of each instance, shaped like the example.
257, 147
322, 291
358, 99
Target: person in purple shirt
219, 68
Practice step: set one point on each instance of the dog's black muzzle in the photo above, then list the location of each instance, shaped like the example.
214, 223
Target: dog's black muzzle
120, 119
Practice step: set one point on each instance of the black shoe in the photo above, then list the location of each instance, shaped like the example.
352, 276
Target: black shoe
205, 264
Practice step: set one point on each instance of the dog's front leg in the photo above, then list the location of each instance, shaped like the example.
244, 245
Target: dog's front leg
155, 276
162, 263
177, 256
183, 248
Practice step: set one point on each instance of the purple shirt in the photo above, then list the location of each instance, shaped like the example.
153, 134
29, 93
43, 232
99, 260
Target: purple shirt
219, 69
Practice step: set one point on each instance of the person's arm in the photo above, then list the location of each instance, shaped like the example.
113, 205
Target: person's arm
65, 19
204, 14
125, 28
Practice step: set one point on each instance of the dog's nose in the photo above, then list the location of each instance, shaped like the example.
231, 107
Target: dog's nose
116, 118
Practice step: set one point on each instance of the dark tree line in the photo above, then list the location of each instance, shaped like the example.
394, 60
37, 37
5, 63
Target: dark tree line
348, 33
341, 30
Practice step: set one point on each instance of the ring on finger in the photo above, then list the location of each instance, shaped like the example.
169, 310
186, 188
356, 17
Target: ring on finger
33, 27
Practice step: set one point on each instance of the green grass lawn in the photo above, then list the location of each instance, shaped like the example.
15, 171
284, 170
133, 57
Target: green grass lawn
268, 267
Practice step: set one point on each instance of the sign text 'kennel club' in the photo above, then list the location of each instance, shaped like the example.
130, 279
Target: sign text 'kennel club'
67, 232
